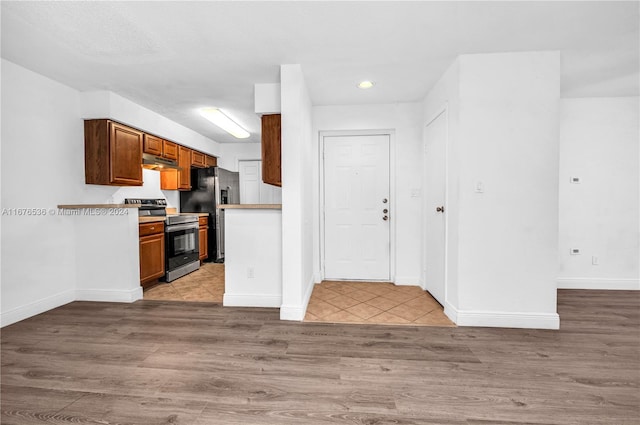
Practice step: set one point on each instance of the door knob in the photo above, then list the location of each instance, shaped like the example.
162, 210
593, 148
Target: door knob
385, 200
440, 209
385, 218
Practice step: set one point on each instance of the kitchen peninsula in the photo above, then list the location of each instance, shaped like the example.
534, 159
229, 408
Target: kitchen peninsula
106, 261
253, 257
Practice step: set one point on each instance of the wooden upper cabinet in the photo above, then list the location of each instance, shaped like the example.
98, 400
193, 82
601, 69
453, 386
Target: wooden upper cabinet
169, 180
169, 150
178, 179
198, 159
211, 161
184, 174
152, 145
112, 153
271, 152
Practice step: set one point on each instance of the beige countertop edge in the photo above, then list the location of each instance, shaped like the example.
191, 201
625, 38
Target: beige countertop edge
200, 214
81, 206
250, 207
150, 219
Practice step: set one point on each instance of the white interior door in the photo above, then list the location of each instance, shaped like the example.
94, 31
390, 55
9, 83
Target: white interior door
435, 158
252, 189
356, 194
250, 179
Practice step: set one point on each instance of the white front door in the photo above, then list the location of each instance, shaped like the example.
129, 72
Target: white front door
435, 157
356, 194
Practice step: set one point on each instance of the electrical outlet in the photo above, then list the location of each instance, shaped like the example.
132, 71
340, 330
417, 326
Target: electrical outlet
250, 272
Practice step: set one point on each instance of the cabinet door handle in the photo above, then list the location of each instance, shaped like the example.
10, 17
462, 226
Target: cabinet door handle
151, 228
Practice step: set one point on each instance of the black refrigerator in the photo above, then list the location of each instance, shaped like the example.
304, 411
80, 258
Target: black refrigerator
211, 187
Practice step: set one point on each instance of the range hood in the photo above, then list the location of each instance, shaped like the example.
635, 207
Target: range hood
153, 162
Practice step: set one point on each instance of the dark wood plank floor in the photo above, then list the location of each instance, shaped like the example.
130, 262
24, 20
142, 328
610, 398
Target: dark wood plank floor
156, 362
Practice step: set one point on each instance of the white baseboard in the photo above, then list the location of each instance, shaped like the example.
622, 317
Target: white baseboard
500, 319
592, 283
451, 312
292, 312
407, 281
36, 307
106, 295
251, 300
297, 312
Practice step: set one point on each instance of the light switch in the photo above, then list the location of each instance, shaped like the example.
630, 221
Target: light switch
479, 187
575, 180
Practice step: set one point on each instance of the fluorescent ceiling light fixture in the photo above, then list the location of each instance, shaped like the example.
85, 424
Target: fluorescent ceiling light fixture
224, 122
365, 84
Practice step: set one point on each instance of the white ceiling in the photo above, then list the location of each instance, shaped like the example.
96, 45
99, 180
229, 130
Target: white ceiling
174, 57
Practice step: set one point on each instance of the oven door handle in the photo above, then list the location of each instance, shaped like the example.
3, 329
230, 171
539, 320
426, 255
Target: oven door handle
177, 228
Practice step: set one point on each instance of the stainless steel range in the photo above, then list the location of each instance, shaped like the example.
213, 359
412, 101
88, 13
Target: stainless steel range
181, 237
181, 245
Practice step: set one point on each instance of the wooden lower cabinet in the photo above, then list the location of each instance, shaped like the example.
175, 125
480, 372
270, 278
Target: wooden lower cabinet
151, 253
203, 233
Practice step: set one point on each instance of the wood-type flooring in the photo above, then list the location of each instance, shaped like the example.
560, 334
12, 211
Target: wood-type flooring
161, 362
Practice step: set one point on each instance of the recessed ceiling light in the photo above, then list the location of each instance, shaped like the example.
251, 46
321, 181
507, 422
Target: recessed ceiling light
217, 117
365, 84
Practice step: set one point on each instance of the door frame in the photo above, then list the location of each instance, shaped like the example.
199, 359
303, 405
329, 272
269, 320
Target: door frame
443, 110
392, 192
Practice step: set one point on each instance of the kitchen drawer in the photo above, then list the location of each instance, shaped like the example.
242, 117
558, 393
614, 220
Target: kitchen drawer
151, 228
202, 221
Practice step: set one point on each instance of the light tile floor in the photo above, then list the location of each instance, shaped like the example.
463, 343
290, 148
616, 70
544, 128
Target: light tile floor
205, 285
374, 302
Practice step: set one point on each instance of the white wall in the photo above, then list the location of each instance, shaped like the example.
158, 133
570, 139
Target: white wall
231, 153
404, 120
509, 142
107, 255
599, 139
253, 258
505, 136
297, 201
42, 162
